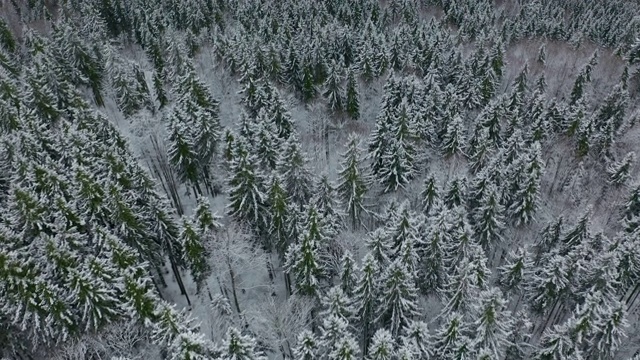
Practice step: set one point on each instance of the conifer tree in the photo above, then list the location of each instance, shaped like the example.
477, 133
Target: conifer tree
488, 220
183, 155
557, 344
240, 347
450, 334
494, 324
195, 253
382, 346
365, 297
353, 181
306, 347
399, 161
246, 193
336, 303
453, 140
398, 303
429, 194
348, 274
380, 246
519, 347
456, 193
296, 177
549, 283
328, 205
278, 217
346, 349
333, 90
352, 101
416, 336
620, 171
304, 259
542, 54
516, 273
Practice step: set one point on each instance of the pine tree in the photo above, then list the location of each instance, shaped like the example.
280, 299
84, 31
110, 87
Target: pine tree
278, 217
304, 259
556, 344
526, 199
297, 179
365, 297
382, 346
306, 347
416, 336
348, 274
345, 349
336, 303
246, 193
619, 172
240, 347
494, 324
542, 54
333, 90
332, 331
380, 246
352, 96
353, 181
579, 233
609, 331
516, 273
456, 193
328, 205
398, 303
432, 274
488, 220
519, 346
549, 283
454, 139
195, 253
462, 287
429, 195
183, 155
399, 162
449, 335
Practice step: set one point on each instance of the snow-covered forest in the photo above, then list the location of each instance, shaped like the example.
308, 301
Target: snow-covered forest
319, 179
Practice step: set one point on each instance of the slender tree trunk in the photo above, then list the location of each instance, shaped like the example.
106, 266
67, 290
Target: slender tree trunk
233, 289
163, 282
553, 308
287, 282
176, 273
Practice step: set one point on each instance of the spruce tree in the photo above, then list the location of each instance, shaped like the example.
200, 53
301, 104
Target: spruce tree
247, 190
352, 96
278, 217
398, 303
494, 324
306, 347
348, 273
620, 171
454, 139
297, 179
195, 253
382, 346
489, 220
305, 260
399, 162
429, 194
353, 181
365, 297
240, 347
333, 90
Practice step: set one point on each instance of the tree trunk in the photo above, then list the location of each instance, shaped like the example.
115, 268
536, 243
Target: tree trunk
233, 289
176, 273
